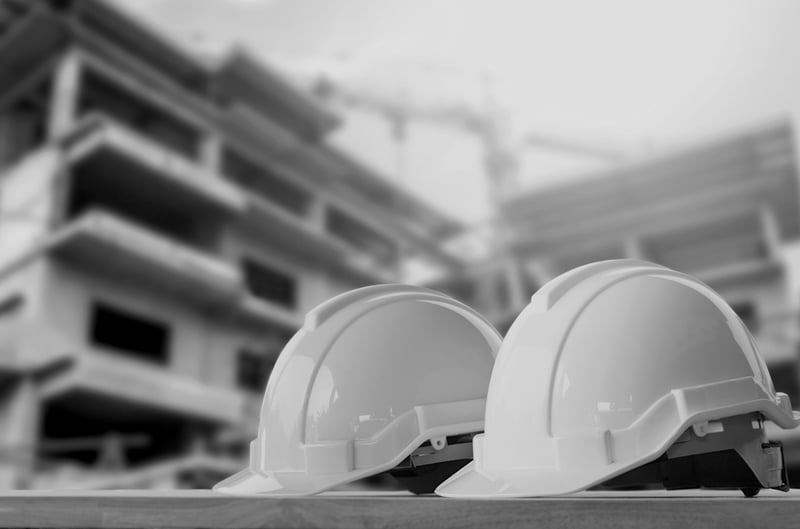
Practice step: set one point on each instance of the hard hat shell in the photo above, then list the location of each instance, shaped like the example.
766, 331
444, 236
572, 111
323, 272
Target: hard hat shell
605, 368
373, 374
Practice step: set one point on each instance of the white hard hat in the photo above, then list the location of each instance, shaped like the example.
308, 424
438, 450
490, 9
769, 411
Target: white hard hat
377, 378
626, 370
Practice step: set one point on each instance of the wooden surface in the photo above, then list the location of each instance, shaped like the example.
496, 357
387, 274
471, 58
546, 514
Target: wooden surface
189, 509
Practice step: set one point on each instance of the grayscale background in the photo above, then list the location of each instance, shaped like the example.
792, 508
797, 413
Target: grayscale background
182, 180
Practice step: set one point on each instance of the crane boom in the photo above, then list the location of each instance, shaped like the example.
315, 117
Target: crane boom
501, 153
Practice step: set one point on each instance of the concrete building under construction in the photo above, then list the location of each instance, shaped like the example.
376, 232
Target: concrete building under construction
165, 222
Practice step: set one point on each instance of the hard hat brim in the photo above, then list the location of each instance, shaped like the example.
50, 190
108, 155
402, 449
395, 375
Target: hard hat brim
472, 482
247, 482
469, 482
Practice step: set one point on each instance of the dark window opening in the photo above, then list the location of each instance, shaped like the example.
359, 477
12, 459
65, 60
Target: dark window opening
106, 97
131, 334
748, 314
79, 431
131, 46
462, 289
261, 181
361, 236
23, 125
11, 305
785, 378
97, 184
254, 364
270, 284
253, 370
10, 309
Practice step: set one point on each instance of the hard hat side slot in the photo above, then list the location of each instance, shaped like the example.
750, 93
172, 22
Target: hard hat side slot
427, 467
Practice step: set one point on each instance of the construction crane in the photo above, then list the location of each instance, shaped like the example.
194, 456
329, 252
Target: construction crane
501, 152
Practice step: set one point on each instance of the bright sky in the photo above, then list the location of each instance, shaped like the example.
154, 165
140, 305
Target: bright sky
631, 75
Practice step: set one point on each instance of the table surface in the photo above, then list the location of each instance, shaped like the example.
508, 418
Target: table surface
190, 509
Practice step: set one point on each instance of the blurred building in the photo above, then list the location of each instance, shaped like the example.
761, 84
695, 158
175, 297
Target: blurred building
165, 223
721, 211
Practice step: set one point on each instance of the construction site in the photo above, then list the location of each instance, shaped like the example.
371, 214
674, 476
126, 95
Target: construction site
166, 222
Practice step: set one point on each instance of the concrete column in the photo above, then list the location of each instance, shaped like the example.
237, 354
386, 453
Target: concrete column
518, 294
772, 232
493, 290
211, 152
634, 249
317, 212
20, 411
61, 194
64, 95
402, 253
542, 270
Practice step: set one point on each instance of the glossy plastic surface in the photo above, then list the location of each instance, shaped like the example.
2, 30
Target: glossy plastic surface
677, 338
604, 369
412, 368
372, 375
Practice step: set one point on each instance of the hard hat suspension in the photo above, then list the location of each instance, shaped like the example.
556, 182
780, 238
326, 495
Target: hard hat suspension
433, 462
700, 458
